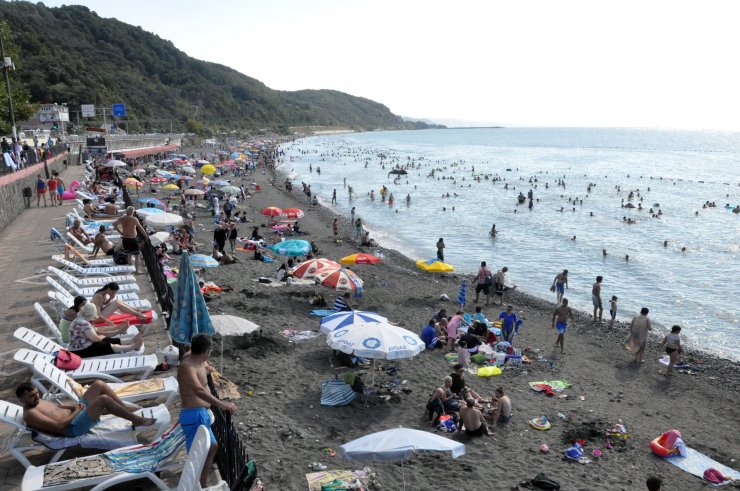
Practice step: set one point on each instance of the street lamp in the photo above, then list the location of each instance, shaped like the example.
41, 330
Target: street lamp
8, 65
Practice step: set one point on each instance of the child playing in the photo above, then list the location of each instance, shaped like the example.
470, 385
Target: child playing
612, 310
672, 343
463, 355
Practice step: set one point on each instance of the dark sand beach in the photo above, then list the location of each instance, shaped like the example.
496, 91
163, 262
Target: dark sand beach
285, 428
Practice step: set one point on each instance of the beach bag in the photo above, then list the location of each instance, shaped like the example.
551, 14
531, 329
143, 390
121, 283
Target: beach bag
358, 385
120, 258
489, 371
543, 482
479, 358
66, 360
447, 424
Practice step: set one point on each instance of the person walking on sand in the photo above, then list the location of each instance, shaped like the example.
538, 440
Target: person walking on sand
335, 229
484, 281
196, 398
561, 316
672, 344
612, 310
441, 249
559, 284
596, 298
638, 337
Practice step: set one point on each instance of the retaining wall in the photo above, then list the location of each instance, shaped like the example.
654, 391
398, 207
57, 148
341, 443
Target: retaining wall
12, 203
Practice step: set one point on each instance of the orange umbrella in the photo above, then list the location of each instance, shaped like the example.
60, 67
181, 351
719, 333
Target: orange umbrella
272, 211
360, 258
309, 269
293, 213
340, 279
157, 179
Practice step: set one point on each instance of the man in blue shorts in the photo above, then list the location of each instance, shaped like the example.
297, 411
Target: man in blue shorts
561, 316
196, 398
73, 420
561, 283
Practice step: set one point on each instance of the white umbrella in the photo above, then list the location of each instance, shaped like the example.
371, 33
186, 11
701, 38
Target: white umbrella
164, 220
194, 192
202, 261
398, 444
115, 163
187, 168
152, 167
348, 319
229, 325
159, 237
139, 171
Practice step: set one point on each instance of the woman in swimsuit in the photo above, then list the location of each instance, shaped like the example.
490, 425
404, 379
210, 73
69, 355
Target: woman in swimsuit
107, 303
672, 343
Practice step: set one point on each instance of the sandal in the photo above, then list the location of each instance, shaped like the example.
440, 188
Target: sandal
329, 452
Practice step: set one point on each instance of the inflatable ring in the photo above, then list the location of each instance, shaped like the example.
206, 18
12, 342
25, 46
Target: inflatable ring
659, 446
542, 424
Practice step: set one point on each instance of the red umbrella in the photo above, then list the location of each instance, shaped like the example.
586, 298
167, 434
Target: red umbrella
293, 213
309, 269
272, 211
340, 279
156, 180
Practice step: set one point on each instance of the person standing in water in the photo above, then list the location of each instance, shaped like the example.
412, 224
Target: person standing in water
441, 249
560, 283
596, 298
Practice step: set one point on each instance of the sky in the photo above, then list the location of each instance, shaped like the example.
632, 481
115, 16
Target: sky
646, 63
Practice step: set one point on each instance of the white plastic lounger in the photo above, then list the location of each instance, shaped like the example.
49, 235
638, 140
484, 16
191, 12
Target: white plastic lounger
53, 383
68, 281
94, 281
97, 368
88, 292
94, 269
109, 434
41, 343
64, 300
86, 263
75, 242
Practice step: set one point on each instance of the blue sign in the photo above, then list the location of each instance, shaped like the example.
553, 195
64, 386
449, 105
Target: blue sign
119, 110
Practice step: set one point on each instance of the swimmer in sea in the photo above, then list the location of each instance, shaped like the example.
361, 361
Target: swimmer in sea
603, 252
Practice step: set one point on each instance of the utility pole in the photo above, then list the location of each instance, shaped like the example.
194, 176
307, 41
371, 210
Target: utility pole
6, 67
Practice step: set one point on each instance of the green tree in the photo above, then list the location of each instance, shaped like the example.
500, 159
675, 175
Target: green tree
192, 125
19, 93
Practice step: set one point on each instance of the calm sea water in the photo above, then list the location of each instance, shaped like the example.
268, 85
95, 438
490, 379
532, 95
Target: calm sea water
672, 171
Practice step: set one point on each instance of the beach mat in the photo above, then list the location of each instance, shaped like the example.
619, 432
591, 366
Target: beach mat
665, 360
323, 312
696, 463
318, 479
557, 385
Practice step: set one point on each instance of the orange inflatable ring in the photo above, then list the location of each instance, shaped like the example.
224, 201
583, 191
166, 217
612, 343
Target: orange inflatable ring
658, 446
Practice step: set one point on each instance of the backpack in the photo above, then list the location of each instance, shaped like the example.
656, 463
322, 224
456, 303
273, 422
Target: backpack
120, 258
543, 482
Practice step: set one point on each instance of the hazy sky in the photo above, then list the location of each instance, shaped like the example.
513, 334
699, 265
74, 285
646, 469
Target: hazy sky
515, 63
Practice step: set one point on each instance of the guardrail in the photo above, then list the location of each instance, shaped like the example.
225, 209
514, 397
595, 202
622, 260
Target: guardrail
31, 157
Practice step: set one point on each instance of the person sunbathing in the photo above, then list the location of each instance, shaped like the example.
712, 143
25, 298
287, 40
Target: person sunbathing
86, 342
502, 407
473, 420
73, 420
101, 243
79, 233
107, 303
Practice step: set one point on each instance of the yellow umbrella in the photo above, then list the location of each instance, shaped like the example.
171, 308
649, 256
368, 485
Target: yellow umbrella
208, 169
434, 266
170, 186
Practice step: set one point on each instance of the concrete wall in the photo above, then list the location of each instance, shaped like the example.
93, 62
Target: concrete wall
11, 188
128, 142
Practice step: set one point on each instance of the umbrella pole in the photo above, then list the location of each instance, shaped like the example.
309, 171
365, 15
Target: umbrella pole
403, 476
222, 355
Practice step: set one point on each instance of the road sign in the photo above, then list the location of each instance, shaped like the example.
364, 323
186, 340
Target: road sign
119, 110
88, 110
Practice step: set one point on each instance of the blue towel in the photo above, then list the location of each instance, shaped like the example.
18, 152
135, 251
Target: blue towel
336, 393
696, 463
322, 312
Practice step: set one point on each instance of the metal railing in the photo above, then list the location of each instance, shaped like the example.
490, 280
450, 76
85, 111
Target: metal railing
32, 156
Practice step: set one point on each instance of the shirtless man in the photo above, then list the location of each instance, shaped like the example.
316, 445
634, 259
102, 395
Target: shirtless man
196, 398
472, 418
561, 283
128, 226
502, 409
596, 298
561, 314
73, 420
111, 209
78, 233
101, 243
88, 208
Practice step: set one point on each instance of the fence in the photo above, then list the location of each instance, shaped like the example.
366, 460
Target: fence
232, 458
31, 157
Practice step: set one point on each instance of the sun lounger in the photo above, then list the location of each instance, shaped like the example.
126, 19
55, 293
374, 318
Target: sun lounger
94, 281
53, 383
82, 260
137, 462
94, 269
97, 368
66, 299
41, 343
110, 433
75, 242
88, 292
68, 281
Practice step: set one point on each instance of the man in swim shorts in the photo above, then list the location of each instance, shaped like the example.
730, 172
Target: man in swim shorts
561, 283
473, 420
73, 420
561, 315
596, 298
196, 398
502, 411
128, 226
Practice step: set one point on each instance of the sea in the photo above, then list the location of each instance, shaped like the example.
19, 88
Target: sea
584, 184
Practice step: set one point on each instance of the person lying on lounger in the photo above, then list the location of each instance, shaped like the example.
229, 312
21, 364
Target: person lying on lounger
107, 303
73, 420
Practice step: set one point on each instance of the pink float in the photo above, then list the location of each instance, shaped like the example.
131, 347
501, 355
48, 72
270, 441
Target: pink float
71, 192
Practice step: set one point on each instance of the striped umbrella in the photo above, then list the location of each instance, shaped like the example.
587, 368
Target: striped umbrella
461, 296
293, 213
341, 280
336, 393
309, 269
348, 318
203, 261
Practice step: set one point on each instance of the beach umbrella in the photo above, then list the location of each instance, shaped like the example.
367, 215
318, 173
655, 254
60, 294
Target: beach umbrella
398, 444
153, 201
187, 168
203, 261
291, 248
133, 183
309, 269
145, 212
208, 169
341, 280
205, 181
360, 258
194, 192
115, 163
157, 180
231, 190
164, 220
461, 295
152, 167
434, 266
170, 186
376, 340
348, 318
272, 211
189, 314
293, 213
219, 182
159, 237
230, 325
186, 178
139, 171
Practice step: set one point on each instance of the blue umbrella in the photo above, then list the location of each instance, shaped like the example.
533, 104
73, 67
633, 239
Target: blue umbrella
219, 182
348, 318
203, 261
461, 296
153, 201
292, 248
189, 312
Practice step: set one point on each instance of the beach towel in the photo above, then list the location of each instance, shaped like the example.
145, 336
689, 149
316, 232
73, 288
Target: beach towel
294, 335
318, 479
696, 463
557, 385
665, 360
322, 312
336, 393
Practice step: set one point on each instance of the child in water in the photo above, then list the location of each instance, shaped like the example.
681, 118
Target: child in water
612, 310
